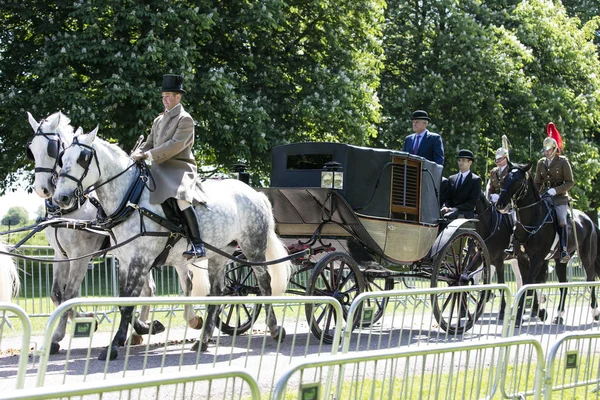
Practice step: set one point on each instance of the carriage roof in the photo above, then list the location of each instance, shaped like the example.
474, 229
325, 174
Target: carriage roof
374, 180
380, 186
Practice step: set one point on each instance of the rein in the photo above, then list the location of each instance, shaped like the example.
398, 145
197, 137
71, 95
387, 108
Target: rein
521, 192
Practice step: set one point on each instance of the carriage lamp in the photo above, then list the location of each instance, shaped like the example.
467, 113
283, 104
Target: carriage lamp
332, 177
240, 170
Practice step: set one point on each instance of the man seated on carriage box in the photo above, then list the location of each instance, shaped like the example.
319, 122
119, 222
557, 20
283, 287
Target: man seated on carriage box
169, 147
554, 178
424, 143
463, 189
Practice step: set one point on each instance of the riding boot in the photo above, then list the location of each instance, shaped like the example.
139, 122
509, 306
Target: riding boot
564, 252
510, 250
190, 219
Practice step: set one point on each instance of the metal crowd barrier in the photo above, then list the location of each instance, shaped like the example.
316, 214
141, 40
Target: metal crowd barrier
433, 371
407, 322
232, 383
15, 334
171, 351
549, 324
573, 367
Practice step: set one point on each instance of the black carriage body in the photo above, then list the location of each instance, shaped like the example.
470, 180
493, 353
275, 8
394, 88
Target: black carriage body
389, 199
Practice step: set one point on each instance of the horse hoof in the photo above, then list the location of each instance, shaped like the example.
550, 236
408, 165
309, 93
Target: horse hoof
54, 348
136, 339
543, 314
197, 344
157, 327
558, 321
280, 335
196, 323
113, 353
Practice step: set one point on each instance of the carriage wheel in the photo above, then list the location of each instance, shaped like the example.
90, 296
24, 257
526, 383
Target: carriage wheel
336, 275
377, 304
463, 261
239, 318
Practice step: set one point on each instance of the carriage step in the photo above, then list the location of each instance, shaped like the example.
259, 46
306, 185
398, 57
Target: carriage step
377, 273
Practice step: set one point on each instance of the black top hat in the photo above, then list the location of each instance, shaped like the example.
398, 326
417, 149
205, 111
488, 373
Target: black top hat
172, 83
466, 154
420, 114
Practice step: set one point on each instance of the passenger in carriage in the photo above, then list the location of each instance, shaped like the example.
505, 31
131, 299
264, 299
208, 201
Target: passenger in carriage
169, 147
496, 182
463, 189
424, 143
554, 178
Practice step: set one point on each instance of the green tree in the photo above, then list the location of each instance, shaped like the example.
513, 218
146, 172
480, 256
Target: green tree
483, 69
257, 73
15, 216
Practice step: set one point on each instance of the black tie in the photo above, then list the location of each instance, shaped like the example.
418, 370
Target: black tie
460, 181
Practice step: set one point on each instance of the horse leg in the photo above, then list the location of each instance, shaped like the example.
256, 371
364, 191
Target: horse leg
136, 277
216, 274
198, 284
60, 275
141, 325
78, 270
498, 265
561, 273
264, 284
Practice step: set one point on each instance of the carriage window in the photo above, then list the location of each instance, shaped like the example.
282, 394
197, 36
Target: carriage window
308, 161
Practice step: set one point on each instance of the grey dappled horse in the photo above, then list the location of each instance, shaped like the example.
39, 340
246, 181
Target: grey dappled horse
9, 276
51, 136
235, 214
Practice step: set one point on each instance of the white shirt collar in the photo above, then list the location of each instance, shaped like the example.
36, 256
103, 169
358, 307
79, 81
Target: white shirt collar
421, 134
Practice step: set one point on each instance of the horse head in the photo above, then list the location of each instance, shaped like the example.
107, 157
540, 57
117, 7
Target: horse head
79, 169
50, 137
515, 186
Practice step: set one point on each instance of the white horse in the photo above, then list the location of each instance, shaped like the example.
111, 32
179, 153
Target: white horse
51, 136
235, 214
9, 276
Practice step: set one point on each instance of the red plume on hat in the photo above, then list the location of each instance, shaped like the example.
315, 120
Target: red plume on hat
554, 134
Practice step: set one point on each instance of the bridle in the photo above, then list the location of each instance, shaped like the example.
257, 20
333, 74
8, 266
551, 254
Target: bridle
88, 153
520, 194
54, 149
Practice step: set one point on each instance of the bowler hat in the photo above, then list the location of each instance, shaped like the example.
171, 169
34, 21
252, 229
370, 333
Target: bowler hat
420, 114
172, 83
466, 154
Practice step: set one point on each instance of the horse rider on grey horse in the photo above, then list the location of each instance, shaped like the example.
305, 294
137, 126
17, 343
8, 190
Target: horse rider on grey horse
169, 147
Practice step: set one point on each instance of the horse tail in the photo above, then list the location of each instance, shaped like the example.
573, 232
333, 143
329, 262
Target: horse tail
9, 276
280, 273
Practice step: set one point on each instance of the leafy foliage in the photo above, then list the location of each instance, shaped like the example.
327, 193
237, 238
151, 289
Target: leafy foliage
483, 69
257, 73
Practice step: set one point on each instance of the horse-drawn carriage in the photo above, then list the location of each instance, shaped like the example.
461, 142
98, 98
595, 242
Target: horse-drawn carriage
370, 217
367, 217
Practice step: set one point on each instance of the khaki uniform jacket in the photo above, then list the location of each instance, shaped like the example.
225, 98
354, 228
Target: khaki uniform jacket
173, 164
558, 175
497, 179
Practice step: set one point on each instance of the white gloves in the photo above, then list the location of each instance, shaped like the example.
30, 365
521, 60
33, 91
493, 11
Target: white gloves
494, 197
139, 156
551, 192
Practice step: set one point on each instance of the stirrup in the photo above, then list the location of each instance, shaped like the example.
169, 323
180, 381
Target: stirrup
197, 251
564, 257
510, 251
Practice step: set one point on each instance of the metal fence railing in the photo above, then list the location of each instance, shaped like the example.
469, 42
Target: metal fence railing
228, 384
573, 367
433, 371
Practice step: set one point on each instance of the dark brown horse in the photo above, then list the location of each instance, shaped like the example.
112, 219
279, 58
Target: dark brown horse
536, 231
